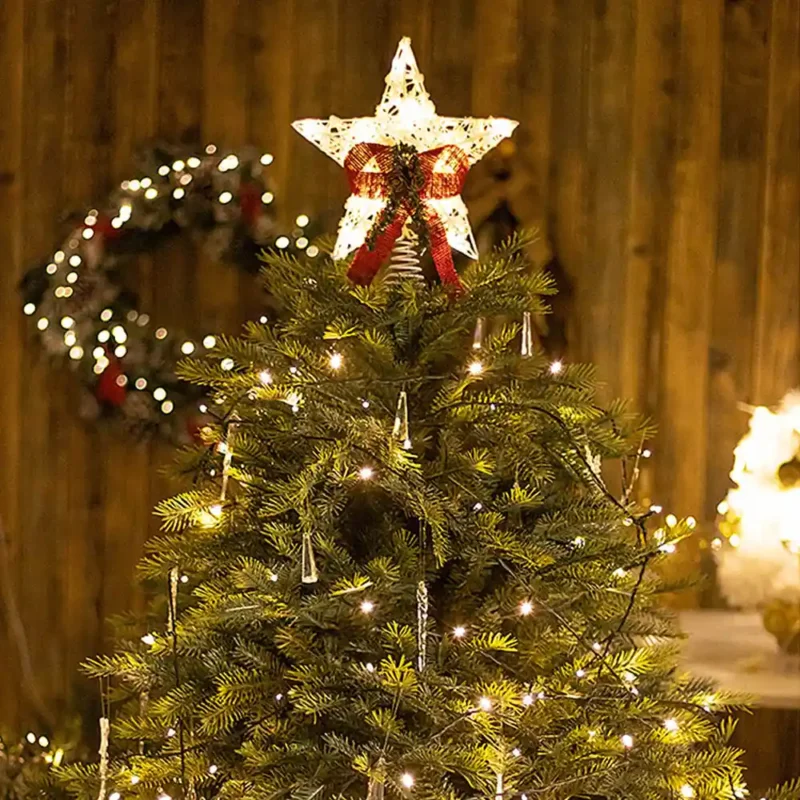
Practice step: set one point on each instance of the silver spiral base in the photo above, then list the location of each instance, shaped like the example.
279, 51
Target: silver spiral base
404, 263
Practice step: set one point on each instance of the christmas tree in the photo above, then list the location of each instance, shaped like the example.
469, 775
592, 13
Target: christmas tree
398, 569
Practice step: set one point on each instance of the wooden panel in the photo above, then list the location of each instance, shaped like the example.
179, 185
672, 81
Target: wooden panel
744, 96
777, 346
682, 411
11, 340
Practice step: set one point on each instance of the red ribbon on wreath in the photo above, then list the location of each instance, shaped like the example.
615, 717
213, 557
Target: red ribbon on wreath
406, 180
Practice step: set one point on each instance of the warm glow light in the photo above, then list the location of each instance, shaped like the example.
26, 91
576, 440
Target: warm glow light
556, 367
209, 341
159, 394
365, 473
225, 197
282, 242
525, 607
671, 725
151, 193
227, 364
187, 348
527, 699
267, 159
627, 741
265, 376
459, 632
475, 368
335, 361
302, 221
687, 791
407, 779
149, 639
367, 607
28, 309
485, 704
671, 520
267, 198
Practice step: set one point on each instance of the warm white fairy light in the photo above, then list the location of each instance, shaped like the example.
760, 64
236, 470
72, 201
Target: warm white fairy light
31, 737
671, 520
459, 632
167, 407
687, 791
369, 666
171, 732
225, 197
114, 796
178, 165
135, 779
267, 159
282, 242
159, 393
302, 220
525, 608
335, 361
556, 367
51, 269
366, 473
106, 314
193, 162
301, 242
43, 323
187, 348
516, 752
597, 647
28, 309
212, 770
149, 639
485, 703
70, 337
120, 350
656, 509
87, 233
178, 193
619, 573
76, 353
527, 700
75, 260
151, 193
72, 277
407, 779
164, 796
227, 364
478, 507
265, 376
405, 115
367, 607
313, 251
580, 673
646, 453
67, 322
475, 368
267, 198
671, 724
209, 341
627, 741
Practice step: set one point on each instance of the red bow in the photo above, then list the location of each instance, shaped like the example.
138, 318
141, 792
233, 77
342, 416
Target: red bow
380, 181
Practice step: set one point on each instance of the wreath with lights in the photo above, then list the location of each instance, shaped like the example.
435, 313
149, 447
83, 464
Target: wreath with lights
87, 318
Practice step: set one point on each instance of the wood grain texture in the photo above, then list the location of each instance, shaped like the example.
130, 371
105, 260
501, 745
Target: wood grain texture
659, 152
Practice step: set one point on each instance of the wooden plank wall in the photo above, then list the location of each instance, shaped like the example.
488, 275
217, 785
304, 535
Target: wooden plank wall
662, 142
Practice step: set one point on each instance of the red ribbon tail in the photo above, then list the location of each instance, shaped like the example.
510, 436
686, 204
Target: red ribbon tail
442, 254
367, 262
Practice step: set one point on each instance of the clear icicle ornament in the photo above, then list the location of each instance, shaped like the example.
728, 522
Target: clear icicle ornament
172, 605
404, 263
308, 562
422, 625
102, 770
498, 792
377, 781
480, 332
400, 428
526, 348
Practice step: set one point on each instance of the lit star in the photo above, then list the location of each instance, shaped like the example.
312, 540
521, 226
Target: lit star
405, 115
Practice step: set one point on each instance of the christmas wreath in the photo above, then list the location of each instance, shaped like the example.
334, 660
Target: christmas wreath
87, 318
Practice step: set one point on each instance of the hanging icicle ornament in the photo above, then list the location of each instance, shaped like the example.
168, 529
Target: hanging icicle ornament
498, 791
405, 163
400, 429
526, 347
172, 605
227, 458
377, 781
422, 625
102, 770
308, 562
480, 332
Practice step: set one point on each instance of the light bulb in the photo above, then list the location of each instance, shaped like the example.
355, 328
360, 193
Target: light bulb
225, 197
226, 364
302, 221
209, 341
171, 732
369, 666
580, 673
42, 323
140, 384
193, 162
477, 507
475, 368
485, 704
407, 779
597, 647
67, 322
167, 406
687, 791
149, 639
671, 725
525, 608
646, 453
178, 193
335, 361
527, 699
178, 165
88, 233
267, 198
367, 607
135, 779
160, 394
265, 376
151, 193
282, 242
31, 737
114, 796
556, 367
459, 632
187, 348
28, 309
213, 769
76, 353
365, 473
627, 741
267, 159
516, 752
671, 520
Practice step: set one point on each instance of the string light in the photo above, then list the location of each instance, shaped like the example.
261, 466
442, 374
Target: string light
209, 341
135, 779
580, 673
67, 322
527, 700
367, 607
76, 353
267, 198
212, 770
171, 732
646, 453
149, 639
475, 368
31, 737
282, 242
369, 666
525, 608
28, 309
459, 632
477, 507
627, 741
42, 323
87, 233
193, 162
51, 269
227, 364
265, 376
161, 333
407, 779
267, 159
687, 791
75, 260
671, 725
187, 348
485, 704
120, 351
167, 406
671, 520
72, 277
159, 394
178, 193
365, 473
151, 193
70, 338
556, 367
302, 221
178, 165
335, 361
225, 197
313, 251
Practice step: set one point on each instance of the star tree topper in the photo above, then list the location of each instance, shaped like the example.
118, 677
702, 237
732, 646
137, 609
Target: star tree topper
441, 151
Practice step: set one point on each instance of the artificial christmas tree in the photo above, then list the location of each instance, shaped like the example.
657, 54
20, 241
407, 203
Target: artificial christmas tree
398, 570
